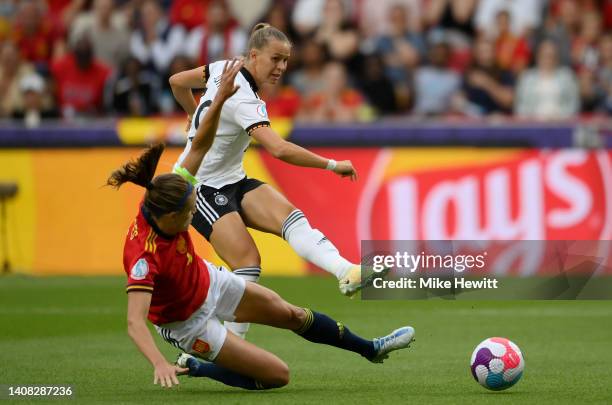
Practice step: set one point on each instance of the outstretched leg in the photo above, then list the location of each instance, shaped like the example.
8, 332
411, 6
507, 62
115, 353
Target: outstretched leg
264, 306
267, 210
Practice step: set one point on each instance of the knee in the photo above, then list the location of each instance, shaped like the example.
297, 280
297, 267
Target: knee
245, 258
279, 377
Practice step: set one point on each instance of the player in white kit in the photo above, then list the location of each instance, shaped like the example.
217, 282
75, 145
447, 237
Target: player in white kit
227, 200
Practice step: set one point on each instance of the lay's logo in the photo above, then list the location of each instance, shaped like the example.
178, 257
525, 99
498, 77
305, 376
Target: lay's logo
534, 195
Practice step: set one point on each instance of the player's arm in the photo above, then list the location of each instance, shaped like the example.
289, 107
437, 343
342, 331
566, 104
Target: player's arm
183, 82
205, 134
138, 307
296, 155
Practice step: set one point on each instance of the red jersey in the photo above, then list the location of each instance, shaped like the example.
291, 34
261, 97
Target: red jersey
81, 89
167, 267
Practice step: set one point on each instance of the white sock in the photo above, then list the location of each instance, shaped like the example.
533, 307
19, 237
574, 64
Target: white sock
313, 246
249, 274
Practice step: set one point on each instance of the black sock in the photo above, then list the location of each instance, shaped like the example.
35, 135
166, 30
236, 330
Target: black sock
202, 369
320, 328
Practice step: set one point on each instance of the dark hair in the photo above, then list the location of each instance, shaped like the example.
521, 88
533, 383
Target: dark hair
165, 193
262, 33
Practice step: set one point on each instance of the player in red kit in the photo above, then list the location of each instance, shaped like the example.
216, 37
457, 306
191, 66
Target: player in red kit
186, 298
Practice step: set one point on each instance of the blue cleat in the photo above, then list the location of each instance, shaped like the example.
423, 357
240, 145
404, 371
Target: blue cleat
398, 339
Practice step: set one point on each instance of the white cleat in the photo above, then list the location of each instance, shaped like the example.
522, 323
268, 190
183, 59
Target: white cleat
352, 282
398, 339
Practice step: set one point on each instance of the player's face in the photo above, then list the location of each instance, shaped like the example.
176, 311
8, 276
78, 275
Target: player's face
271, 61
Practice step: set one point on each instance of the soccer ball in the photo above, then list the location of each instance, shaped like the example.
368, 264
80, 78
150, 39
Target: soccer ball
497, 363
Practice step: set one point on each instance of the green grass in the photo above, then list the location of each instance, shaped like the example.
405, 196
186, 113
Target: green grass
72, 331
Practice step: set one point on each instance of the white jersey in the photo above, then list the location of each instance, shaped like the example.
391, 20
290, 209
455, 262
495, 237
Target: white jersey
241, 114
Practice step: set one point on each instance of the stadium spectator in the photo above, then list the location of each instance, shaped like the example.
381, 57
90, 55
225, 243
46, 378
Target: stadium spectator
12, 70
339, 36
35, 35
525, 15
377, 87
108, 31
137, 91
279, 17
585, 44
80, 81
374, 18
487, 88
456, 16
281, 101
248, 13
402, 48
7, 11
189, 13
435, 83
155, 43
36, 106
607, 14
587, 87
167, 103
560, 25
452, 21
220, 38
306, 15
511, 50
63, 12
338, 102
604, 74
308, 78
547, 91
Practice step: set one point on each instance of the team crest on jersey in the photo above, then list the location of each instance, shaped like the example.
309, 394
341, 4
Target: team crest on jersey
220, 199
181, 245
134, 231
200, 346
140, 270
261, 110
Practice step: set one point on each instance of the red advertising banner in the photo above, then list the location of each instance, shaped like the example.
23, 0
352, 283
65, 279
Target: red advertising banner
455, 194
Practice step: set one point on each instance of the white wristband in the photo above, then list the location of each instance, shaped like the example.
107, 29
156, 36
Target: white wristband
331, 164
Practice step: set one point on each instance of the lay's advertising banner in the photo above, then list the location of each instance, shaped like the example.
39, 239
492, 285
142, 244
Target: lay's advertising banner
63, 221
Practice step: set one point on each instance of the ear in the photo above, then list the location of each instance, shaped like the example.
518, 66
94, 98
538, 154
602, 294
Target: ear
253, 53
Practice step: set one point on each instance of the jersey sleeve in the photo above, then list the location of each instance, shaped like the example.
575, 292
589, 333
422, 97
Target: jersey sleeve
251, 114
142, 274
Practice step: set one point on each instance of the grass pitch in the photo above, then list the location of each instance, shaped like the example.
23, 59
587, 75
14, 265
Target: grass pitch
72, 330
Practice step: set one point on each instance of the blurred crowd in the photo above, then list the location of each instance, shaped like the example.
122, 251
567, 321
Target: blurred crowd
351, 60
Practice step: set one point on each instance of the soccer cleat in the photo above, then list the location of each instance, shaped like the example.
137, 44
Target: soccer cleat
398, 339
352, 282
183, 360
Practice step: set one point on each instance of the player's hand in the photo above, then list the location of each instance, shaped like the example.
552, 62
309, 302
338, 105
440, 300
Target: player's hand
345, 168
227, 88
165, 374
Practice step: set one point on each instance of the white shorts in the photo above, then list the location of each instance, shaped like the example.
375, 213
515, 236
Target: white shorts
203, 334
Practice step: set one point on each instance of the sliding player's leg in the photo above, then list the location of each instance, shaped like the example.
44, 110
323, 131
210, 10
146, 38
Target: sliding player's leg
264, 306
239, 363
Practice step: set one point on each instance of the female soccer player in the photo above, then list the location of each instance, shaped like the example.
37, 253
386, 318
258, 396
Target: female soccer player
186, 297
227, 200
